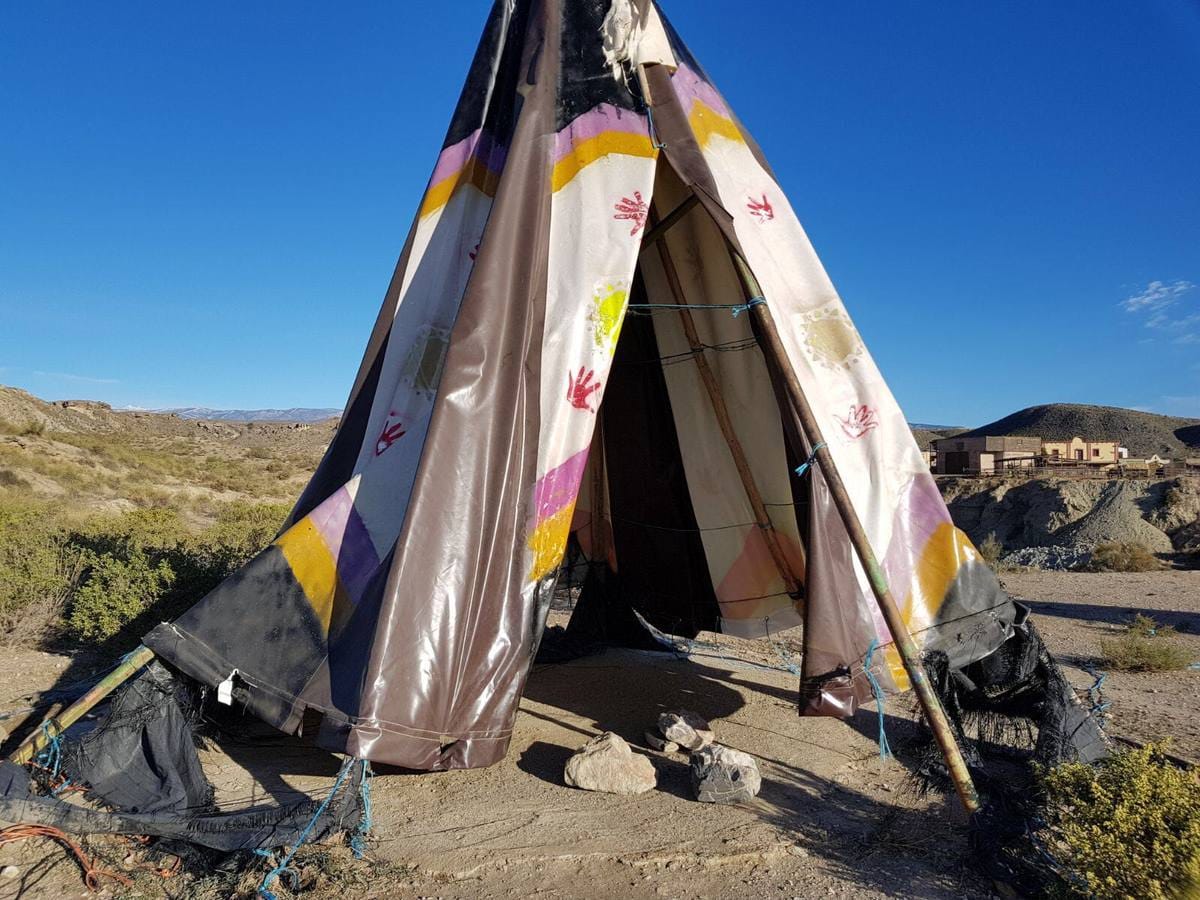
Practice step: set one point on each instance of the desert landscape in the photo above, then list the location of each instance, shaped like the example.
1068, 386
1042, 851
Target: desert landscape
161, 507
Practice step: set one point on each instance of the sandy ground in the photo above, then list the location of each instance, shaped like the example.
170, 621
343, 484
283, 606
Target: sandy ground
832, 820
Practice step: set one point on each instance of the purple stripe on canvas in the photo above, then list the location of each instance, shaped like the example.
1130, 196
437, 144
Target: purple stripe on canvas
357, 561
604, 117
558, 487
690, 86
348, 540
478, 144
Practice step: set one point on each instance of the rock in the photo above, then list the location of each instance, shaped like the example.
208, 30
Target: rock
606, 763
661, 744
724, 775
688, 730
9, 872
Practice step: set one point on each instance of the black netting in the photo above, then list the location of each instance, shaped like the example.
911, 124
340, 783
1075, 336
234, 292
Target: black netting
139, 766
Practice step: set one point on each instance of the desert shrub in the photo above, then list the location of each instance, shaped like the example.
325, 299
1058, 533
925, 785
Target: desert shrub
260, 453
1122, 558
39, 568
1127, 827
243, 529
117, 591
991, 549
1146, 646
33, 428
1145, 626
9, 478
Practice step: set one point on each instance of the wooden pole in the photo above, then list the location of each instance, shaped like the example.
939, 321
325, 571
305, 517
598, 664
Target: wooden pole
717, 400
56, 725
909, 654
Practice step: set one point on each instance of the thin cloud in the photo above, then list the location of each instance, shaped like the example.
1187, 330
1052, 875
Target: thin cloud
1161, 302
1156, 296
82, 379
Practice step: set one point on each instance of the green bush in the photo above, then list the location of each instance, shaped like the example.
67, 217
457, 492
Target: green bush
1134, 652
1126, 828
39, 568
1122, 558
1146, 646
117, 591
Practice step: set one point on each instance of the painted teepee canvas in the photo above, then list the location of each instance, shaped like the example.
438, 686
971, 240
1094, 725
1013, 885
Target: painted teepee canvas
541, 374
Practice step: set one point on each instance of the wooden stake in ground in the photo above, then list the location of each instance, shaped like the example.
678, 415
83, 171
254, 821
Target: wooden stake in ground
56, 725
934, 714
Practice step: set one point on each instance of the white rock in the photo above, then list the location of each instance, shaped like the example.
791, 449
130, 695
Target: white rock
659, 743
606, 763
724, 775
9, 872
686, 729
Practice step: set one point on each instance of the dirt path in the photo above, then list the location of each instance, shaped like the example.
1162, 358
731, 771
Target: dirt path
833, 819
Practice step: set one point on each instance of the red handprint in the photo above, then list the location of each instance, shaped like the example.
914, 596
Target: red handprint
581, 387
858, 421
761, 210
389, 435
634, 210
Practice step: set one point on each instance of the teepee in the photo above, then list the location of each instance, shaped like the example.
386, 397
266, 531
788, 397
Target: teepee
607, 327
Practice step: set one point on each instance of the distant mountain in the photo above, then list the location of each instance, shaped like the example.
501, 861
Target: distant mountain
1143, 433
296, 414
924, 426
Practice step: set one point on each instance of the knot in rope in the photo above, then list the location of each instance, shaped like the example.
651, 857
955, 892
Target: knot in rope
811, 461
745, 307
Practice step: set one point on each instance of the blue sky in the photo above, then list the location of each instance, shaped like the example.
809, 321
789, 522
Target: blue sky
201, 204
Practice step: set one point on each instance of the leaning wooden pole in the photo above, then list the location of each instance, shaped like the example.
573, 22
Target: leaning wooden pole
56, 725
721, 411
909, 653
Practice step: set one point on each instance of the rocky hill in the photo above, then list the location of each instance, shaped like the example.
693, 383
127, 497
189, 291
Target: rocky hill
296, 414
1143, 433
92, 457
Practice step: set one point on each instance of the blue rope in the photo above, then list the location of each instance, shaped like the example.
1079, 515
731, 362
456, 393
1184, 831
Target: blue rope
51, 755
285, 863
358, 840
808, 463
745, 307
885, 749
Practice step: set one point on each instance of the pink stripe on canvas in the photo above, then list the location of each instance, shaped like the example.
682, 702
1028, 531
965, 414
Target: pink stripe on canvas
558, 487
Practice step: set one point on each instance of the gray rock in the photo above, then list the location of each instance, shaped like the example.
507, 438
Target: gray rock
606, 763
688, 730
724, 775
661, 744
1053, 558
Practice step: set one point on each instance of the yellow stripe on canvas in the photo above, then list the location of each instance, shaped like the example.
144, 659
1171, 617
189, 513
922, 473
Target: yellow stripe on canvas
586, 152
313, 567
707, 122
549, 540
473, 173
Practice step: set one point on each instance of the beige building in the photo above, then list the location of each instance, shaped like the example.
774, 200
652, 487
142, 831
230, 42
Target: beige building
1077, 450
985, 455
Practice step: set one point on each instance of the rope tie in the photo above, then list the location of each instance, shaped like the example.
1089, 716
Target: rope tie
358, 840
285, 864
811, 461
885, 749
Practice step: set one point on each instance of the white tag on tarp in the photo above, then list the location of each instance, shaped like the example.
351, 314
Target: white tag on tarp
225, 690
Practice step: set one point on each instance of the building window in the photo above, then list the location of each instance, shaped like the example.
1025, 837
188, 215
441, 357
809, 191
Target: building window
1079, 454
1095, 451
